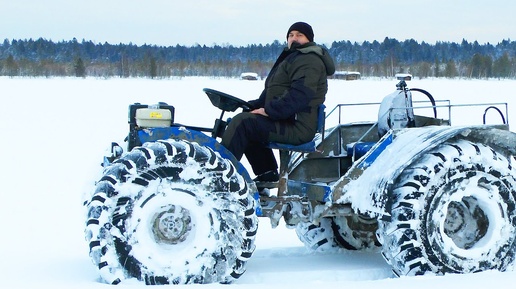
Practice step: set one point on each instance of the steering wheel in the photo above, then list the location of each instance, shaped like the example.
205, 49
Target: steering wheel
225, 101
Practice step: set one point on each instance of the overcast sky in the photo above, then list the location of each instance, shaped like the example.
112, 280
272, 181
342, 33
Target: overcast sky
242, 22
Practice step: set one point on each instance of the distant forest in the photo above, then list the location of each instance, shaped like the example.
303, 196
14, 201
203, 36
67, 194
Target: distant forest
36, 58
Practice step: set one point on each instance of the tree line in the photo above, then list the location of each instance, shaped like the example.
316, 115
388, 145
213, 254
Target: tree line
41, 57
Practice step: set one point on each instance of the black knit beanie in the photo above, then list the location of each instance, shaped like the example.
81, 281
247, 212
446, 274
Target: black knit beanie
303, 28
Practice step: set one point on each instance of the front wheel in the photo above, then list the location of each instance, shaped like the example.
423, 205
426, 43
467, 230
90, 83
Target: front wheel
453, 211
171, 212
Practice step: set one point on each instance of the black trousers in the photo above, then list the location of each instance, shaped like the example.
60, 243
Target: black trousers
248, 134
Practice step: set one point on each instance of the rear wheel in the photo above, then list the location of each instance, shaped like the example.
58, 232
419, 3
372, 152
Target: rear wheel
356, 232
171, 212
453, 211
317, 237
333, 233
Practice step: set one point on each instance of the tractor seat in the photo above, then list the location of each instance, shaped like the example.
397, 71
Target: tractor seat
310, 146
307, 147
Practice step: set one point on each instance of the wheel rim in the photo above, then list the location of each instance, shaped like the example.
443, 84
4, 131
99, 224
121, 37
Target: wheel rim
172, 226
466, 222
169, 225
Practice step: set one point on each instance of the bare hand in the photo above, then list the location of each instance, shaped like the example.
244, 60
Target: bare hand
260, 111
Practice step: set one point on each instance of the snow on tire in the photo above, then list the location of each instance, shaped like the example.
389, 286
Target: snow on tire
452, 211
317, 237
355, 232
171, 212
334, 233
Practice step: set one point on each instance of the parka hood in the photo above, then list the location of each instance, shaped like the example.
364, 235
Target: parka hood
312, 47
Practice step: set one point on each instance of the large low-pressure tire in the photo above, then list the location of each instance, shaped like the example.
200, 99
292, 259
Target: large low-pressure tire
317, 237
171, 212
343, 232
453, 211
355, 232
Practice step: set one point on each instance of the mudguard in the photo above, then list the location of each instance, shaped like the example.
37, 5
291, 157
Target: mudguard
366, 183
155, 134
159, 133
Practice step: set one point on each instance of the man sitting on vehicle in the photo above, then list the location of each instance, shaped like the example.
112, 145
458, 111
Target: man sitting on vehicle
287, 109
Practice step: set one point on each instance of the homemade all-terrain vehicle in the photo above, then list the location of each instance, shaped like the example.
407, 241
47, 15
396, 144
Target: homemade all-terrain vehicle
176, 207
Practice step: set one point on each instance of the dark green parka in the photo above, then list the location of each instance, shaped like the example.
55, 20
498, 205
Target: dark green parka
294, 89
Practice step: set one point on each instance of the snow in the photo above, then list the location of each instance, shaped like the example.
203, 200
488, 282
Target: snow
55, 132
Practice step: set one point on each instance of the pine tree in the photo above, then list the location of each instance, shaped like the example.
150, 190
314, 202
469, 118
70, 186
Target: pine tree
502, 66
437, 71
79, 68
153, 68
450, 70
11, 67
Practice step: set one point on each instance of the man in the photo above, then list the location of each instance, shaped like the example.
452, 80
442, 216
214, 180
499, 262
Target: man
286, 111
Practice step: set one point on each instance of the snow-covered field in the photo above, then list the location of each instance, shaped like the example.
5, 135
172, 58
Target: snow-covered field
55, 131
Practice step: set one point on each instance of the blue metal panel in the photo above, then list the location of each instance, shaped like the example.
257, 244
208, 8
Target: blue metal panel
375, 151
181, 133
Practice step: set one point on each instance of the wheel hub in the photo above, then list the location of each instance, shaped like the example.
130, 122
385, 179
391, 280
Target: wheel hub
172, 226
465, 223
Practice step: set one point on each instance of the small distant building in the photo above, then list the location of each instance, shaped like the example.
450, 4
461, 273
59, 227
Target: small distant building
249, 76
403, 76
346, 75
